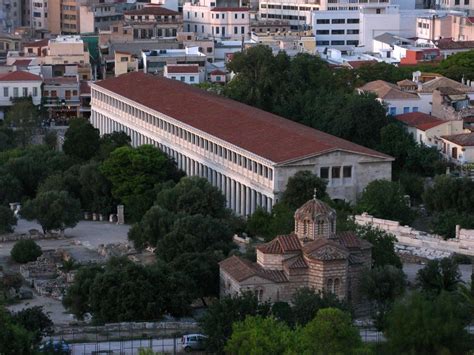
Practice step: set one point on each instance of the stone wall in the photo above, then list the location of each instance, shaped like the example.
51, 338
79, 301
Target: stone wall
430, 246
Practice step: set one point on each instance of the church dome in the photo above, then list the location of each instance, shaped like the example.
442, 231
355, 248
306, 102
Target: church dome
313, 210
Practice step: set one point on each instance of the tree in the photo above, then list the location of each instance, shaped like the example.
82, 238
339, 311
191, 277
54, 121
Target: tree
24, 116
7, 220
195, 233
25, 251
53, 210
385, 199
51, 139
221, 315
382, 286
458, 66
125, 291
306, 304
330, 332
111, 141
383, 246
422, 325
81, 140
95, 189
450, 194
300, 189
7, 138
439, 275
12, 189
155, 224
134, 173
268, 225
444, 223
14, 339
257, 335
35, 321
282, 311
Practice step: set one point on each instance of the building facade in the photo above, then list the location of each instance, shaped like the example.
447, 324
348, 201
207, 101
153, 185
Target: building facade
313, 256
247, 153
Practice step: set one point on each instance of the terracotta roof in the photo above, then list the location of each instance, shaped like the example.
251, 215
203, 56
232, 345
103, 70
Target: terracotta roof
351, 240
217, 72
22, 62
282, 244
463, 139
406, 82
356, 64
419, 120
152, 10
312, 209
182, 68
249, 128
40, 43
297, 262
222, 9
387, 91
325, 249
20, 76
85, 88
432, 85
241, 269
448, 43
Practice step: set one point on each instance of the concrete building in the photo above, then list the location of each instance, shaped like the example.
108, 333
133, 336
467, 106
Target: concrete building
186, 73
10, 15
62, 97
458, 5
313, 256
211, 18
247, 153
152, 22
426, 129
458, 148
154, 61
16, 85
436, 26
8, 42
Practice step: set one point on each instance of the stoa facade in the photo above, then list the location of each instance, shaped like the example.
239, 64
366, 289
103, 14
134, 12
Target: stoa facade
247, 153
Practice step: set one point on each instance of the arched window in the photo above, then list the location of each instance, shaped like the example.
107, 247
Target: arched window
320, 227
329, 286
336, 286
305, 227
333, 226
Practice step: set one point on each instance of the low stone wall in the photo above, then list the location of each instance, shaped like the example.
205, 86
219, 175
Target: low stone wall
13, 237
430, 246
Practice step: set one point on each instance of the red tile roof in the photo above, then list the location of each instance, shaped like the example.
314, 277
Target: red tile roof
40, 43
217, 72
241, 269
262, 133
351, 240
281, 245
222, 9
419, 120
85, 88
356, 64
463, 139
20, 76
448, 43
387, 91
177, 68
152, 10
22, 62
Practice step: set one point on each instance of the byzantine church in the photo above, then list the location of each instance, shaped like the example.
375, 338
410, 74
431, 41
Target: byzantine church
313, 256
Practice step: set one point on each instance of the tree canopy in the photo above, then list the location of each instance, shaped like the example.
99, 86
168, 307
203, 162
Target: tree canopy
25, 250
439, 275
383, 246
24, 116
81, 139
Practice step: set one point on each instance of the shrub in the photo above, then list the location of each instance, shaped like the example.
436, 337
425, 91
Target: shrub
25, 250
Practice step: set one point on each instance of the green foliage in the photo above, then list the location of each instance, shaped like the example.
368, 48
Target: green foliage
111, 141
24, 116
448, 193
385, 199
300, 189
81, 140
53, 210
125, 291
383, 246
12, 189
217, 321
458, 66
283, 312
382, 286
51, 139
134, 173
155, 224
410, 157
423, 325
14, 339
7, 138
330, 332
257, 335
382, 71
25, 251
306, 304
439, 275
35, 321
268, 225
7, 220
95, 189
412, 184
444, 223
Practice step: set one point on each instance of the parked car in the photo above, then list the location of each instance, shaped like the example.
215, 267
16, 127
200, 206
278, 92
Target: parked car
193, 342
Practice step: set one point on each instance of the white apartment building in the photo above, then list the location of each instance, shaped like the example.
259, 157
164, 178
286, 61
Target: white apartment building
189, 74
207, 18
39, 14
459, 5
16, 85
247, 153
154, 61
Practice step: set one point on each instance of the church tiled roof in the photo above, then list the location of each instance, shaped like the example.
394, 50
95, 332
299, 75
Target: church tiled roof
241, 269
281, 245
325, 249
312, 209
351, 240
297, 262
